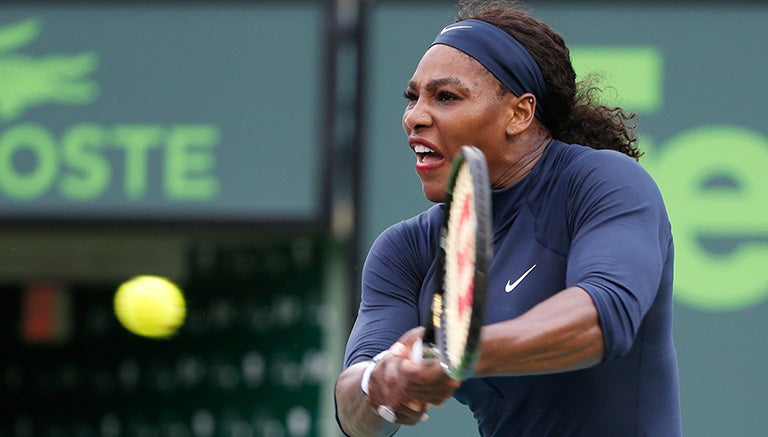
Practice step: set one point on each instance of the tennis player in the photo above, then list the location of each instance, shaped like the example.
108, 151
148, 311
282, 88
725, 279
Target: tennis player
578, 329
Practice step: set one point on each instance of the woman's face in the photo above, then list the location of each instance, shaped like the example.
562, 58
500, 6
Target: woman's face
454, 101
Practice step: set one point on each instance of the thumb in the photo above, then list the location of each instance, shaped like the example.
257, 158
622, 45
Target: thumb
406, 341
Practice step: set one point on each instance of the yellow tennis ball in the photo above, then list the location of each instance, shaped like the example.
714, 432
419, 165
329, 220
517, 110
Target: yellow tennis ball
150, 306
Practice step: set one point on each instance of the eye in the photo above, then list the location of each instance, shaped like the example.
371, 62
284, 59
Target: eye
445, 96
410, 96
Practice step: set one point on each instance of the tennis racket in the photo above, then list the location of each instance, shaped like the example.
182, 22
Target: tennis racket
452, 329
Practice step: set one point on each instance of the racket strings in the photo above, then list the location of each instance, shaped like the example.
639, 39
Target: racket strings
460, 266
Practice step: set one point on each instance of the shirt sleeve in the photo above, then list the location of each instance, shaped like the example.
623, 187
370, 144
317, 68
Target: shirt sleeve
620, 243
392, 278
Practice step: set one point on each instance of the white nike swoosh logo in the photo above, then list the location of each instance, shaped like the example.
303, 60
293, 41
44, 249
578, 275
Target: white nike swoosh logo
511, 286
449, 28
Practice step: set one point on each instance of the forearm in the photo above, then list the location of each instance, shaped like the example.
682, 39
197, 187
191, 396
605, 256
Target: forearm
560, 334
356, 416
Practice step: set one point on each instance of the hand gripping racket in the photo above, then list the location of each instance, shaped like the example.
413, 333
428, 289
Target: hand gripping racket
452, 328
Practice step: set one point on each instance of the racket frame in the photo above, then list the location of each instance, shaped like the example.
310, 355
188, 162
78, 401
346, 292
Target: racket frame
434, 345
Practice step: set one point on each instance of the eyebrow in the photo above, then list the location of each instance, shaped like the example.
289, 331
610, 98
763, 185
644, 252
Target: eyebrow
433, 84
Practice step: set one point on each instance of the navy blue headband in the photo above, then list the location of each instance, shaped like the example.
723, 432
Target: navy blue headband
501, 54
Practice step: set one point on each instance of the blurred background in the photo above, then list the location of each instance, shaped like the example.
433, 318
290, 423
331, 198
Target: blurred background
251, 151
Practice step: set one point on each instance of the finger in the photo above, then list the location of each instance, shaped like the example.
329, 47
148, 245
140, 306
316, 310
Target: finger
435, 398
399, 414
435, 393
398, 349
427, 376
411, 336
424, 369
414, 405
411, 412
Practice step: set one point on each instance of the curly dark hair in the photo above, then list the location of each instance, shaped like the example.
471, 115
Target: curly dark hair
573, 112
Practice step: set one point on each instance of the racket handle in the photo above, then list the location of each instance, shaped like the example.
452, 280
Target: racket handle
423, 354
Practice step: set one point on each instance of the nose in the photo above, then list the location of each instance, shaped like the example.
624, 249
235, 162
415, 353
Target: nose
415, 118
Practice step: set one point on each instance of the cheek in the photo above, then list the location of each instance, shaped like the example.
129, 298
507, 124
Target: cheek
485, 123
470, 129
485, 134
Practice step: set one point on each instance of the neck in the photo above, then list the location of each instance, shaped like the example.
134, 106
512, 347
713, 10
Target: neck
525, 153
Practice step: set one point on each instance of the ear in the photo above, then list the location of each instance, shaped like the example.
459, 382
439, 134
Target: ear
523, 112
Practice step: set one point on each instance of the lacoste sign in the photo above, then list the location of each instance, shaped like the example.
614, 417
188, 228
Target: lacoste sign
86, 160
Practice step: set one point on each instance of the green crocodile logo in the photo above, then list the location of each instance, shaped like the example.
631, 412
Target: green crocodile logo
31, 81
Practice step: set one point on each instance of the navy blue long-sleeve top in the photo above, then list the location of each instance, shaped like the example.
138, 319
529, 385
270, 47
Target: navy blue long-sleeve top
582, 217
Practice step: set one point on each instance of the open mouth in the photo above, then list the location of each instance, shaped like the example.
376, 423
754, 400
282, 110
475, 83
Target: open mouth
426, 155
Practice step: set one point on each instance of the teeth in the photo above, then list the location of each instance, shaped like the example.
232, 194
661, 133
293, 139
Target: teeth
422, 149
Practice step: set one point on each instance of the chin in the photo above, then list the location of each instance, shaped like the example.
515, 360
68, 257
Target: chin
434, 195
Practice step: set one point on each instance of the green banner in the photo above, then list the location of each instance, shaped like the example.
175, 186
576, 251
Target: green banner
180, 112
718, 201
